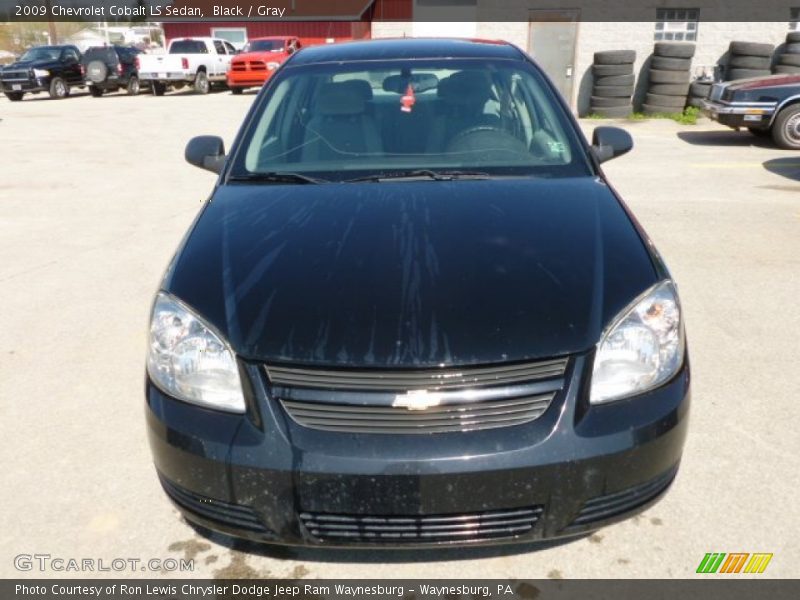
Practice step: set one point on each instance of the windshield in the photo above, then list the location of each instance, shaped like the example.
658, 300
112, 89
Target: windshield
188, 47
43, 53
339, 122
264, 46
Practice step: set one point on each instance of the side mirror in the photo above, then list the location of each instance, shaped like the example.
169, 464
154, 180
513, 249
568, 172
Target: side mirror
206, 152
610, 142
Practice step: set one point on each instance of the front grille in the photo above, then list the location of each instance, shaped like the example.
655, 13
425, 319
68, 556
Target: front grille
250, 65
434, 528
422, 379
612, 505
417, 401
223, 513
15, 75
438, 419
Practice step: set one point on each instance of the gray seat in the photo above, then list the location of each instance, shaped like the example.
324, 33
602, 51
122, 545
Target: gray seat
462, 97
341, 124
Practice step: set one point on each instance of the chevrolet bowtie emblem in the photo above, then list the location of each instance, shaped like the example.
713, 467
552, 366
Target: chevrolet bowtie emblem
417, 400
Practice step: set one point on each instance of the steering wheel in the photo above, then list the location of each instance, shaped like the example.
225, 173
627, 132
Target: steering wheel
486, 138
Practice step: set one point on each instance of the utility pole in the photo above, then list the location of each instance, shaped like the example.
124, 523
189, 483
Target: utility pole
51, 25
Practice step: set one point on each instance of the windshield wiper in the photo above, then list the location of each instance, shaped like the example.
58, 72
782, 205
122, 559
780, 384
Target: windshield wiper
276, 177
421, 174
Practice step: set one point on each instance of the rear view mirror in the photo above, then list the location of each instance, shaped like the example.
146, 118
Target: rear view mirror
610, 142
206, 152
420, 82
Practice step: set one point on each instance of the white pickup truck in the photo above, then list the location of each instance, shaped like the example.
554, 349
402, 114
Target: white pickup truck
197, 61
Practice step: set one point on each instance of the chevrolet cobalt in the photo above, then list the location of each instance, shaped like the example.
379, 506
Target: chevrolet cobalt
414, 311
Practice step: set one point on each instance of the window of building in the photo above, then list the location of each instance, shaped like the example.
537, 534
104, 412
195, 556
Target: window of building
235, 35
677, 24
794, 19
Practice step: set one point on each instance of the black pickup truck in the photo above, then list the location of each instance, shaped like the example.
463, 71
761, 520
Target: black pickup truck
764, 105
52, 69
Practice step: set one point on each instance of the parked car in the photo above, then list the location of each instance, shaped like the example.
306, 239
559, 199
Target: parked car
258, 61
764, 105
52, 69
198, 62
414, 311
111, 68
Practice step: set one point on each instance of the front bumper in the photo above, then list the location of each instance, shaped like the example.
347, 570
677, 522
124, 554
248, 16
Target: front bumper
263, 477
28, 86
245, 79
740, 114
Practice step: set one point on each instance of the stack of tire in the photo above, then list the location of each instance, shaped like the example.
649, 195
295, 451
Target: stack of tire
668, 78
748, 59
612, 89
699, 91
788, 61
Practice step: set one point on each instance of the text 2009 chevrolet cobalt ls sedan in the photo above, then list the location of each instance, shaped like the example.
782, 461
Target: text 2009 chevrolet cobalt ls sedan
413, 311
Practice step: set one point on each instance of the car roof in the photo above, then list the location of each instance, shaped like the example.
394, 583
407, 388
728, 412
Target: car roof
406, 48
272, 37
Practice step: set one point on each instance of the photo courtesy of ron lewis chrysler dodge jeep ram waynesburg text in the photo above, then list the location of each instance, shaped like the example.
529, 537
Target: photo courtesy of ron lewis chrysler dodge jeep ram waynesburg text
414, 311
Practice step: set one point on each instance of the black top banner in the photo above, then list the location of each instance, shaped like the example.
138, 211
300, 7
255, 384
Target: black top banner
406, 589
389, 10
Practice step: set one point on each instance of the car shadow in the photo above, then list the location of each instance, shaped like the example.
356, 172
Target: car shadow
725, 138
378, 554
788, 167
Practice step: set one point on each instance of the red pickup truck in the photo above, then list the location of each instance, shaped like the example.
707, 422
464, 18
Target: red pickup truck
258, 60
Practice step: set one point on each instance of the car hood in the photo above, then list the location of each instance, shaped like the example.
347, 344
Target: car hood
755, 83
277, 57
412, 273
32, 64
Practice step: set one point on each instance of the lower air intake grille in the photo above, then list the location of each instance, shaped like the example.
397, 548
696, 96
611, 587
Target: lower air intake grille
230, 515
611, 505
438, 419
410, 529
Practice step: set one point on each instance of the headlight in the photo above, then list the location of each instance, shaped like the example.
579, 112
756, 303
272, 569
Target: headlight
273, 65
41, 72
189, 361
642, 348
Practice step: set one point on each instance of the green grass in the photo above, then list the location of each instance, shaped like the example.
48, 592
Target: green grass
687, 117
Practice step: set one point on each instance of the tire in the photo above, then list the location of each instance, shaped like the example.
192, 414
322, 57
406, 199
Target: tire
611, 112
734, 74
792, 60
616, 80
677, 102
674, 50
699, 89
659, 76
237, 91
751, 49
613, 91
96, 71
95, 91
793, 48
670, 64
793, 37
58, 88
615, 57
669, 89
786, 128
612, 102
787, 70
201, 84
655, 109
133, 88
14, 96
696, 102
159, 88
750, 62
611, 70
760, 131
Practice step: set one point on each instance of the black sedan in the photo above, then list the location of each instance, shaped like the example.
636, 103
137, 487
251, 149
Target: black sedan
768, 106
414, 311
